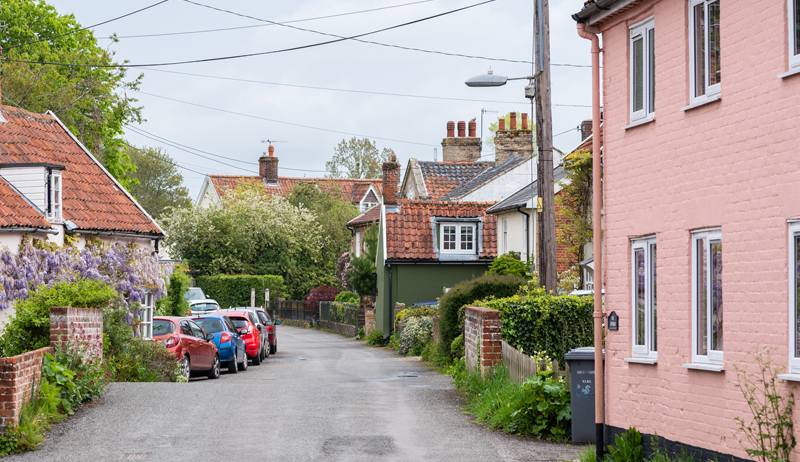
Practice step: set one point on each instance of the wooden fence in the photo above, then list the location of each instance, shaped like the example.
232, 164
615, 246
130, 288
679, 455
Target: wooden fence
521, 366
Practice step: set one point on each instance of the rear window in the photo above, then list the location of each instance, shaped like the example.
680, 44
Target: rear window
161, 327
204, 307
195, 293
240, 323
264, 319
210, 325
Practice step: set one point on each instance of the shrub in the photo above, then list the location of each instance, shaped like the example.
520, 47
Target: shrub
466, 292
29, 328
375, 338
234, 290
132, 359
510, 264
175, 303
90, 373
362, 276
546, 323
417, 333
421, 311
347, 297
543, 408
323, 294
457, 347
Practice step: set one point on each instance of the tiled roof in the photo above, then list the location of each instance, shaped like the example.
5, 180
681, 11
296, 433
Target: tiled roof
91, 199
442, 177
486, 176
15, 211
372, 215
409, 235
347, 188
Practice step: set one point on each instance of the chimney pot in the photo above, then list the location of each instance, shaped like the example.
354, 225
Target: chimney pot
451, 129
461, 129
501, 123
271, 151
472, 126
524, 121
513, 120
268, 167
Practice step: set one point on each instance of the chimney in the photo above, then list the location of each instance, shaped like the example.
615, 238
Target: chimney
461, 148
391, 179
524, 121
513, 121
586, 129
268, 167
451, 129
512, 141
501, 123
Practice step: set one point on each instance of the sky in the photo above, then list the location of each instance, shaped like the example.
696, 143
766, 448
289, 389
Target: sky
267, 97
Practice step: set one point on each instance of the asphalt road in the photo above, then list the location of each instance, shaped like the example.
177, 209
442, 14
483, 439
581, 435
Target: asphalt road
322, 397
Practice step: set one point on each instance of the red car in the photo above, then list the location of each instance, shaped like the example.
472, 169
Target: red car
189, 343
247, 325
270, 325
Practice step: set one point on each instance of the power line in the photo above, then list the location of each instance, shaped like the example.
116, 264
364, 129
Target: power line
348, 91
263, 53
267, 25
285, 123
88, 27
173, 163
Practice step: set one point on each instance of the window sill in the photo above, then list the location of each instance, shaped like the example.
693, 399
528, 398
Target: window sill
646, 120
789, 377
703, 102
794, 71
641, 360
705, 367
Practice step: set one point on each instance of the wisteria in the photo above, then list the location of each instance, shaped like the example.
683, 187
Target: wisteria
132, 270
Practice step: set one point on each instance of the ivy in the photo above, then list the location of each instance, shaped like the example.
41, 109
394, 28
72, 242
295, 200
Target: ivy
574, 216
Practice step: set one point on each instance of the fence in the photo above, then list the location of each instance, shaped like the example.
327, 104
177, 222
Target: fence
521, 366
295, 310
343, 313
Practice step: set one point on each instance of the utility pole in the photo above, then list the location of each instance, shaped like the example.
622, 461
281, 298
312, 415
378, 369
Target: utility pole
546, 229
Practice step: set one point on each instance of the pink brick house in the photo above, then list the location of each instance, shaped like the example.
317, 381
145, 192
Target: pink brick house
701, 102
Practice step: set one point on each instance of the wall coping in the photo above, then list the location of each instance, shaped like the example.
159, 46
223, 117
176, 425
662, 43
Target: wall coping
487, 313
7, 360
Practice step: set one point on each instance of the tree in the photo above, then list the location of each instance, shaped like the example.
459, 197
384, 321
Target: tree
363, 276
91, 101
357, 158
251, 235
574, 216
494, 126
159, 183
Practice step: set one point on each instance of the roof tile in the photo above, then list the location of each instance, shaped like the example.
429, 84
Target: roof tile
442, 177
350, 190
16, 211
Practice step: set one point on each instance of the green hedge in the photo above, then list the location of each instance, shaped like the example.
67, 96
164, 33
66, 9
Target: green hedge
466, 292
234, 290
552, 324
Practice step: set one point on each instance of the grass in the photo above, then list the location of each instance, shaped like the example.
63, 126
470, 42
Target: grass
659, 455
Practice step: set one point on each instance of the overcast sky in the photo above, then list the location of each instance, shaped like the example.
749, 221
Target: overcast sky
413, 127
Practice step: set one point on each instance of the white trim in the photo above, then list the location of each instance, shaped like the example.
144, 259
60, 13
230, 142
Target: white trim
700, 101
790, 377
383, 238
794, 360
710, 90
97, 162
646, 120
459, 227
647, 246
641, 360
712, 357
705, 367
206, 188
790, 73
794, 48
641, 31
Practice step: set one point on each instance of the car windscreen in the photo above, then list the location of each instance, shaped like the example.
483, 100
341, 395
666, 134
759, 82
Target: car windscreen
161, 327
240, 323
194, 294
204, 307
210, 325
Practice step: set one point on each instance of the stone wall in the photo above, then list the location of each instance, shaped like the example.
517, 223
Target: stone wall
19, 376
483, 347
344, 329
461, 149
78, 326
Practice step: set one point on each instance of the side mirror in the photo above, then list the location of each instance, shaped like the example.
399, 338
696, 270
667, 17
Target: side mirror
277, 322
209, 337
242, 331
259, 328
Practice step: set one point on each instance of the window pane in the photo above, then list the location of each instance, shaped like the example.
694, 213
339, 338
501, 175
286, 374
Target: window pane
796, 24
699, 51
714, 66
653, 291
716, 295
797, 296
449, 237
641, 271
651, 60
466, 238
638, 74
702, 297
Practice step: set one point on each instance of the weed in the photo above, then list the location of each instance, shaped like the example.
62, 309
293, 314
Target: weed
375, 338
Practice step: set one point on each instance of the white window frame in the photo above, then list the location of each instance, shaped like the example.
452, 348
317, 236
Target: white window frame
505, 235
713, 357
641, 31
712, 91
358, 244
794, 359
459, 227
525, 239
55, 211
794, 47
146, 316
646, 245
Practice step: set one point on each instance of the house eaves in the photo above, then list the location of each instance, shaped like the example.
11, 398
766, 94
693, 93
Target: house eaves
595, 12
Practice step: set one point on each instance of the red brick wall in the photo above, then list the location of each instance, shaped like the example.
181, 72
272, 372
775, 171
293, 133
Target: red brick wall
18, 374
77, 326
482, 327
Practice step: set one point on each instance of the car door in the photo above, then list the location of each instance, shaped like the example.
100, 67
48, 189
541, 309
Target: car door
205, 348
238, 342
189, 342
262, 334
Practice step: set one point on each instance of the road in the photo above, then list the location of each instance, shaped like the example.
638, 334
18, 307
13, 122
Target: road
322, 397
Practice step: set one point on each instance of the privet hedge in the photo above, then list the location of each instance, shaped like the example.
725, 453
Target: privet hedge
466, 292
545, 323
234, 290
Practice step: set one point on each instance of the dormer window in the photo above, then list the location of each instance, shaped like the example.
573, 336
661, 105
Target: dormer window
457, 238
54, 198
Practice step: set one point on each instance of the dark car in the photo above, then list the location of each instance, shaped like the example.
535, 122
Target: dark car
251, 330
271, 327
193, 347
229, 342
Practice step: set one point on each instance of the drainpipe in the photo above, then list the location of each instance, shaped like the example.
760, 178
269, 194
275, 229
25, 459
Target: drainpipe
391, 306
597, 198
527, 230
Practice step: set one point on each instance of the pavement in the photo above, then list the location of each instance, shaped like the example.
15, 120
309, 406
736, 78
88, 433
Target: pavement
322, 397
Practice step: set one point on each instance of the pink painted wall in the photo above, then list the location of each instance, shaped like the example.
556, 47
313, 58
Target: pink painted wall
732, 164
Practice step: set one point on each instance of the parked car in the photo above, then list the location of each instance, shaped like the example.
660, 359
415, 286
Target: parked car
194, 293
201, 307
229, 342
193, 347
271, 326
247, 324
260, 316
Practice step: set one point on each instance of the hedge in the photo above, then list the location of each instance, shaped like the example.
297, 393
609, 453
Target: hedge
552, 324
234, 290
465, 293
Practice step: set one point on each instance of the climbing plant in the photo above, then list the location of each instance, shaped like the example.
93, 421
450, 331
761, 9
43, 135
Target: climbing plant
574, 214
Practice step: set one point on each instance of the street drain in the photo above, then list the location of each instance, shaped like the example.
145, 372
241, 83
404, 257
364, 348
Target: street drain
134, 456
302, 359
407, 375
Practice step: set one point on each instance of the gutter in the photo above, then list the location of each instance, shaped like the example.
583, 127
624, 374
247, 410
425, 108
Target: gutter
28, 230
117, 234
600, 10
437, 262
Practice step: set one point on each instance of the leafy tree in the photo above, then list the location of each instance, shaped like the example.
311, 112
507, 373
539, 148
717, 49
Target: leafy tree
574, 217
91, 101
494, 126
160, 184
251, 235
357, 158
363, 276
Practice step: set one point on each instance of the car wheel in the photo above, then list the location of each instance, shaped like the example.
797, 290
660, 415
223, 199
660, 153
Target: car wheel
243, 364
273, 348
257, 358
213, 373
233, 366
264, 353
186, 367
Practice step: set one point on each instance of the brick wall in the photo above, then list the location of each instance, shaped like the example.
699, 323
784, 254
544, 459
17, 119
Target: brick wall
482, 327
461, 149
563, 262
510, 142
18, 375
77, 326
391, 179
